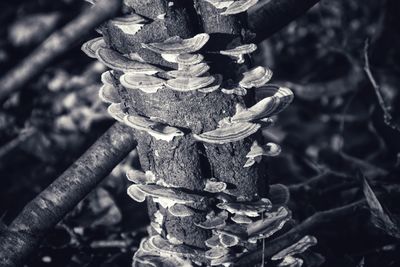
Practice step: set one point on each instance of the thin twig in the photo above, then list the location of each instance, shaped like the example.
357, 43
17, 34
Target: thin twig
367, 69
50, 206
57, 44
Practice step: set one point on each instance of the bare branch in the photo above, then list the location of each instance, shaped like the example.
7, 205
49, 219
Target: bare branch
51, 205
269, 17
54, 46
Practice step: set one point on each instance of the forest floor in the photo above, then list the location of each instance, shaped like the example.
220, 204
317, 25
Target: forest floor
334, 137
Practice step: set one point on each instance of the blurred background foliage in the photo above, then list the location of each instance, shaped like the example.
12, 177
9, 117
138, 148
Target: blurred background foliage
333, 136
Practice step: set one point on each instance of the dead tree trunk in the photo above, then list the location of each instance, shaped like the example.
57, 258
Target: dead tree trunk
192, 221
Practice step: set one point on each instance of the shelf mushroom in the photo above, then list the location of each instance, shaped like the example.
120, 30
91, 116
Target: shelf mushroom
220, 4
115, 110
228, 133
90, 47
214, 186
239, 52
190, 71
186, 84
146, 83
158, 130
129, 24
189, 59
180, 210
213, 220
250, 209
117, 61
239, 6
109, 94
257, 151
255, 77
139, 177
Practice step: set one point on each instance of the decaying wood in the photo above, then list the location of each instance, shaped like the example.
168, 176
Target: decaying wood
55, 45
23, 235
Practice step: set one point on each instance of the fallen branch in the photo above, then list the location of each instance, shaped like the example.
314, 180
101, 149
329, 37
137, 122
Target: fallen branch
298, 232
21, 238
54, 46
269, 17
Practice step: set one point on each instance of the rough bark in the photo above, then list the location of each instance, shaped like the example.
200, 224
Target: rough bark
23, 235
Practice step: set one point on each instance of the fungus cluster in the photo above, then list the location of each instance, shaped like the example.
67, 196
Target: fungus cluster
235, 226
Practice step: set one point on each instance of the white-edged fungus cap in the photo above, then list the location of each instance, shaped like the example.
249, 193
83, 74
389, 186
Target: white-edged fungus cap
220, 4
129, 24
180, 210
290, 261
90, 47
107, 77
135, 193
139, 177
239, 51
146, 83
109, 94
239, 6
186, 84
228, 133
116, 111
177, 45
234, 91
214, 186
213, 86
241, 219
191, 71
117, 61
251, 209
189, 59
228, 240
216, 253
256, 77
213, 220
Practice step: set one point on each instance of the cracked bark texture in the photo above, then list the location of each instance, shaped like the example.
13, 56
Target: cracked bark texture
183, 162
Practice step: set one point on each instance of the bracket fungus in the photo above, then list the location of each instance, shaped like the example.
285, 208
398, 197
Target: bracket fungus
297, 248
129, 24
220, 4
180, 210
146, 83
290, 261
239, 52
189, 59
139, 177
266, 107
117, 61
136, 194
241, 219
158, 130
255, 77
213, 86
216, 252
268, 226
90, 47
239, 6
107, 77
234, 91
250, 209
109, 94
213, 220
177, 45
257, 151
190, 71
186, 84
213, 242
214, 186
228, 240
228, 133
115, 110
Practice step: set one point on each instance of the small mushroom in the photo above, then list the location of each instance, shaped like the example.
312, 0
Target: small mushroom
116, 111
228, 240
214, 186
157, 130
266, 107
180, 210
186, 84
216, 253
175, 196
297, 248
268, 226
129, 24
239, 6
213, 221
284, 94
135, 193
117, 61
166, 247
251, 209
279, 194
239, 52
241, 219
146, 83
177, 45
190, 71
255, 77
139, 177
214, 86
234, 91
91, 46
213, 242
290, 261
220, 4
107, 78
189, 59
228, 133
257, 151
109, 94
